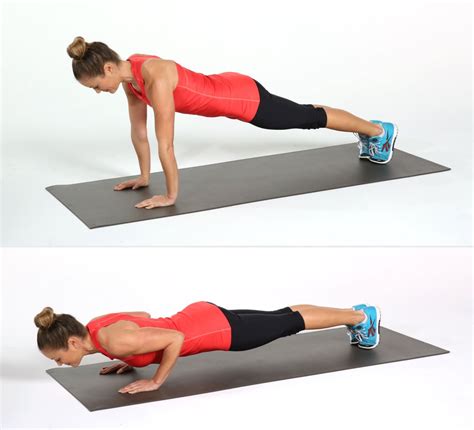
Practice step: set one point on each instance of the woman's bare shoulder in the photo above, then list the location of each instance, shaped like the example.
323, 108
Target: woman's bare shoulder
159, 68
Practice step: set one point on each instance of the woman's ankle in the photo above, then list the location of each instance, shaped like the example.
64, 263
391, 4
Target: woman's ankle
358, 317
378, 130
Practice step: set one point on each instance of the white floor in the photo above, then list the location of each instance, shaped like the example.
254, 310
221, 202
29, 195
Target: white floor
423, 293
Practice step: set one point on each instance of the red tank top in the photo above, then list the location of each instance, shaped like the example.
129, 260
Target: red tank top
204, 326
227, 94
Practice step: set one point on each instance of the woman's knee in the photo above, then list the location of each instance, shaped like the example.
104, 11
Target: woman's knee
321, 106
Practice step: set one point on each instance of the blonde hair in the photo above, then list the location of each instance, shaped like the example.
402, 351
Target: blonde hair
88, 59
54, 330
45, 318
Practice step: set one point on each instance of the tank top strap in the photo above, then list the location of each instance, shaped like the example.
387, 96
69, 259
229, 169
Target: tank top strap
136, 62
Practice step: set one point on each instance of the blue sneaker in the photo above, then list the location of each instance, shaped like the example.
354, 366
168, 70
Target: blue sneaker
354, 340
368, 331
381, 147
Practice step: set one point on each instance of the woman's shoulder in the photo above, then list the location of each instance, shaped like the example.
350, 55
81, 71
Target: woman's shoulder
160, 69
105, 316
116, 336
143, 57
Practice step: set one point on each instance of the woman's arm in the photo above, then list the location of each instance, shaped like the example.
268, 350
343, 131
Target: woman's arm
138, 115
122, 343
159, 88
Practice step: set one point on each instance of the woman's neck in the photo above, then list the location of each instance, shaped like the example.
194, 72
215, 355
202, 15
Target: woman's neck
125, 70
89, 345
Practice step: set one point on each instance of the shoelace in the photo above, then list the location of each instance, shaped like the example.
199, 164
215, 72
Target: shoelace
351, 332
361, 139
373, 148
361, 336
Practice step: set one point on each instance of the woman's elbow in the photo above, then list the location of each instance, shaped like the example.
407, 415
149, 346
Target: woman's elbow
179, 338
166, 147
166, 151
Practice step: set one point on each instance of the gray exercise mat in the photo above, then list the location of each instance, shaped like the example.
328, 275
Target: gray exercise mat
219, 185
295, 356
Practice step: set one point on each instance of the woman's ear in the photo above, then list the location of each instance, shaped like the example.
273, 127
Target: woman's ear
74, 342
108, 68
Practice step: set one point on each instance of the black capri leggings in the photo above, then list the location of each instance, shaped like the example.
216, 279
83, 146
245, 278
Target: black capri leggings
278, 113
251, 328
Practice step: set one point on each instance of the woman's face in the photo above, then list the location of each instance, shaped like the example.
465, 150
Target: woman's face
71, 356
108, 82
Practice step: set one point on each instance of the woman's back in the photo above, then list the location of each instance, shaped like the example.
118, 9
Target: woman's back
229, 94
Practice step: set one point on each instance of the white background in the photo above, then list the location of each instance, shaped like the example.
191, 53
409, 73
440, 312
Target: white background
423, 293
409, 63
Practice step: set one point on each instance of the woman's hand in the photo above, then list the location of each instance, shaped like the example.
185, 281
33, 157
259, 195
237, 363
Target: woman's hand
116, 368
139, 386
134, 184
155, 202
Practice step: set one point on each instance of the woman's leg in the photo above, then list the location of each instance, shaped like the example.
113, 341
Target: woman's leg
316, 317
253, 311
254, 328
278, 113
338, 119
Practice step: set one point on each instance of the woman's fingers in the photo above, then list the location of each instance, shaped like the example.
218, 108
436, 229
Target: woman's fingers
125, 368
155, 202
109, 369
139, 386
142, 204
134, 184
147, 204
137, 185
118, 368
127, 388
124, 185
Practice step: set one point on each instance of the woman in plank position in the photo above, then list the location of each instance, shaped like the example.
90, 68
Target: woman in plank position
138, 340
168, 88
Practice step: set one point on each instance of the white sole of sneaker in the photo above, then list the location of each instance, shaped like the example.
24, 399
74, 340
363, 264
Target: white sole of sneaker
378, 317
395, 134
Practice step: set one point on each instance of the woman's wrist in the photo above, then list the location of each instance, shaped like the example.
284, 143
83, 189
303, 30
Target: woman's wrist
157, 381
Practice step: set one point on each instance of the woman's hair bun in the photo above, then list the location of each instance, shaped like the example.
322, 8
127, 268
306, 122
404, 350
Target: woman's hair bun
45, 318
77, 48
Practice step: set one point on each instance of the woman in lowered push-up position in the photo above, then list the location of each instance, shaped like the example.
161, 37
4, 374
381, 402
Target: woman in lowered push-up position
139, 340
169, 87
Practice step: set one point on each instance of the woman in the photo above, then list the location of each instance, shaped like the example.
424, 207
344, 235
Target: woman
139, 340
169, 87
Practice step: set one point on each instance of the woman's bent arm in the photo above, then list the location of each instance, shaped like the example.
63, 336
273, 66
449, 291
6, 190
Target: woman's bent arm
142, 341
169, 358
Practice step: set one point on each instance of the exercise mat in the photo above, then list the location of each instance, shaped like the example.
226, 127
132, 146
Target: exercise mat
304, 354
219, 185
